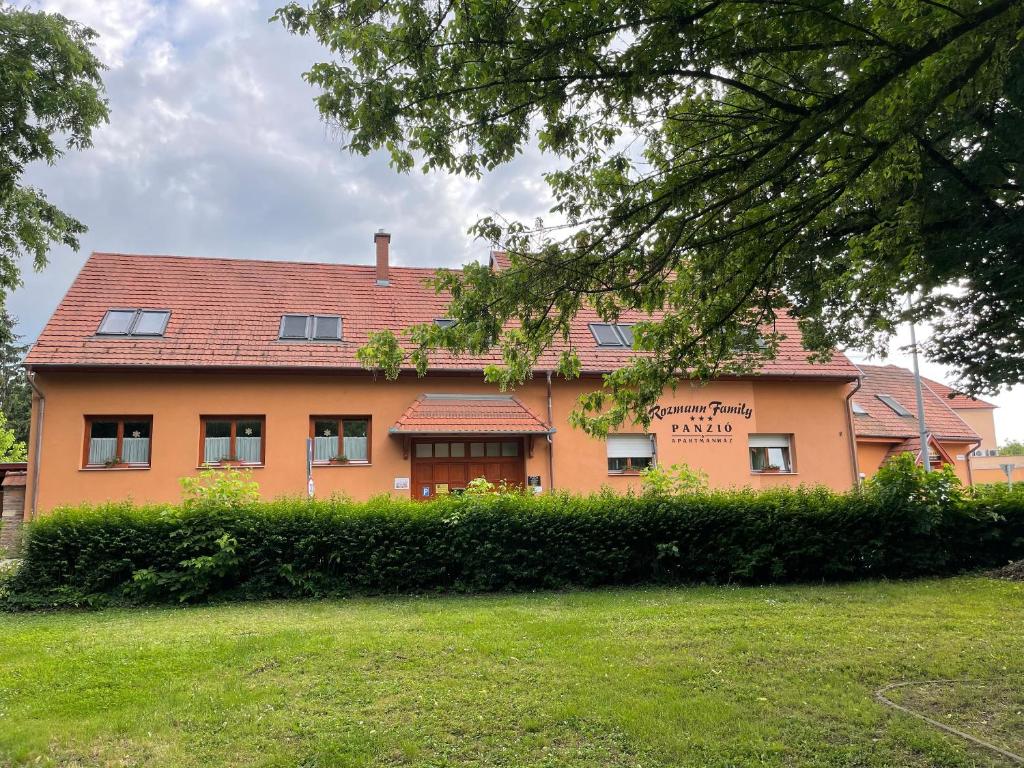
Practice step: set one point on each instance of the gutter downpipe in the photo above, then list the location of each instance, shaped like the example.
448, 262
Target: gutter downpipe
37, 444
853, 436
551, 439
970, 472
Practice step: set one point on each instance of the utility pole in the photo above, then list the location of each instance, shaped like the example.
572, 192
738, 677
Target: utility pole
922, 427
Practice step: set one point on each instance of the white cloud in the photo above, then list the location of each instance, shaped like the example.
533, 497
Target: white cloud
120, 23
159, 60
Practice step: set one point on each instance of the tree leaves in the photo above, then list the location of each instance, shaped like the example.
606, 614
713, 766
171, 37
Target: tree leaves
50, 92
726, 161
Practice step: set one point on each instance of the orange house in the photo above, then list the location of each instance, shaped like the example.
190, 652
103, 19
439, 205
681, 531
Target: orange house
154, 367
885, 421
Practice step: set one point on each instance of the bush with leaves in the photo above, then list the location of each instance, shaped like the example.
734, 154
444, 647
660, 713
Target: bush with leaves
673, 480
906, 524
220, 487
11, 449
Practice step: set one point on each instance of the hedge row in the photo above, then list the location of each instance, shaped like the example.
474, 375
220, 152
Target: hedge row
294, 548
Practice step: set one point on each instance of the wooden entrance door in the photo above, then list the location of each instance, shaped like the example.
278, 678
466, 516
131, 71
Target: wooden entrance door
442, 465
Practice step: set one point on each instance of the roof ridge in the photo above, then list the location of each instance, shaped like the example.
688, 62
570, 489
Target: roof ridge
242, 260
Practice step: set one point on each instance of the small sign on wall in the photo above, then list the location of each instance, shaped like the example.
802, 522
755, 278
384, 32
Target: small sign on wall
401, 483
533, 483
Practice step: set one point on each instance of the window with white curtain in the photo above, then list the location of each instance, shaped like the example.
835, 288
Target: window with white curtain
771, 453
232, 439
629, 453
340, 439
113, 441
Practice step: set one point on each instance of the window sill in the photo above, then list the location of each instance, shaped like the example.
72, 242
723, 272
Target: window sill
319, 464
629, 473
230, 466
771, 474
118, 468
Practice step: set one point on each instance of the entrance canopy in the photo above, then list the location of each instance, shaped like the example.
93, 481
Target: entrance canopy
444, 414
937, 455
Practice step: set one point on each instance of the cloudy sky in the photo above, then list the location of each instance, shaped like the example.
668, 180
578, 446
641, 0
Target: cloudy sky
214, 148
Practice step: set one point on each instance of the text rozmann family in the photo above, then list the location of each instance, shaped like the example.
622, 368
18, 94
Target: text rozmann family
712, 407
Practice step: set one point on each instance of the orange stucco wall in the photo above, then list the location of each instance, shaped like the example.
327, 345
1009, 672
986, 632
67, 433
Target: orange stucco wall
870, 456
814, 413
987, 469
982, 421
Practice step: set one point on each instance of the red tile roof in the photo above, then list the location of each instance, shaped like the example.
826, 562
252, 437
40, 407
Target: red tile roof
14, 479
227, 312
882, 421
469, 414
954, 399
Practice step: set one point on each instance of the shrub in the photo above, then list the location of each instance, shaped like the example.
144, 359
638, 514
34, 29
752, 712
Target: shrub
673, 480
227, 487
217, 548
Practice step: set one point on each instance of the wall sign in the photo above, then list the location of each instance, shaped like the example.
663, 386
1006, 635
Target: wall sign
401, 483
710, 423
425, 492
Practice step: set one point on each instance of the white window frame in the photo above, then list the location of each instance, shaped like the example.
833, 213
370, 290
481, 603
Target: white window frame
768, 441
631, 447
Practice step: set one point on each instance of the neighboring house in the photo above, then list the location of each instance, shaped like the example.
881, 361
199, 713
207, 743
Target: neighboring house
885, 421
986, 463
153, 367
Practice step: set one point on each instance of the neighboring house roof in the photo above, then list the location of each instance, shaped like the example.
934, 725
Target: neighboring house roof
955, 399
14, 479
881, 421
467, 415
227, 313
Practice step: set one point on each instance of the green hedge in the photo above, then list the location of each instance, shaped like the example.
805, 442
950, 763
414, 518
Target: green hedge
299, 548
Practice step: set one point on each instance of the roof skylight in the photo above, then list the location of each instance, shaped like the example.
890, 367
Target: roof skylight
895, 405
310, 328
858, 409
612, 335
134, 322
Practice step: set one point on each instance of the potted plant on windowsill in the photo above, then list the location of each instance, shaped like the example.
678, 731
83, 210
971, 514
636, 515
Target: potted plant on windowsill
339, 459
114, 462
230, 461
771, 468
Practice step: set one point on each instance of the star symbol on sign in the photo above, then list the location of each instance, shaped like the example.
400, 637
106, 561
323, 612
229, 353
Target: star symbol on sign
248, 430
702, 418
136, 433
693, 418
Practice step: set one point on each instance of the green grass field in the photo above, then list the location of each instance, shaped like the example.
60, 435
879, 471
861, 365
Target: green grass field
780, 676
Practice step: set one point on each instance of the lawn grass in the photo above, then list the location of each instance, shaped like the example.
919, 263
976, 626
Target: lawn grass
992, 709
779, 676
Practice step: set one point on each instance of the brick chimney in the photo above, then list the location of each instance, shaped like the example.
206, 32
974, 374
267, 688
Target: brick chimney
382, 240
